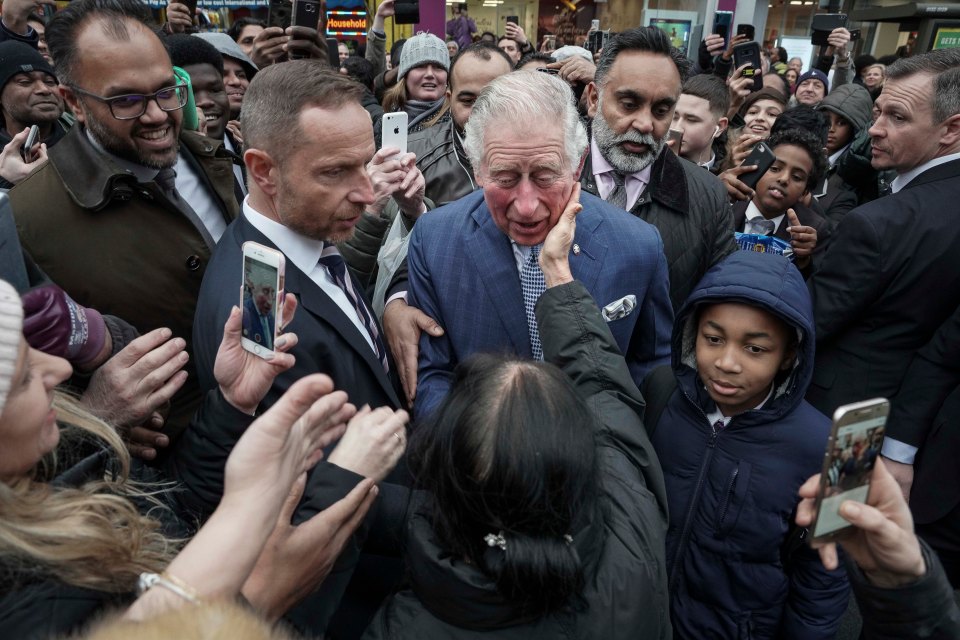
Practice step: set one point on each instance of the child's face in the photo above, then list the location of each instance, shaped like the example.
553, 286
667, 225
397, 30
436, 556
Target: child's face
740, 350
841, 132
785, 182
759, 118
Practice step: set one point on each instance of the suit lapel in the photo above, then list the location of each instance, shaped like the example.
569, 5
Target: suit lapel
322, 307
492, 255
587, 264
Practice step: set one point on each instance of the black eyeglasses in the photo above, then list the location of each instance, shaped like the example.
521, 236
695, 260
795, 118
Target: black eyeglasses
130, 106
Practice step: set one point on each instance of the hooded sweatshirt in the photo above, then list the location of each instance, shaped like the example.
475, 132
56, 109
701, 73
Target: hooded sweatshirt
732, 493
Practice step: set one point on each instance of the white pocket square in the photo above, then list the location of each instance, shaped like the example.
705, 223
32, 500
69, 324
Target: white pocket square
619, 308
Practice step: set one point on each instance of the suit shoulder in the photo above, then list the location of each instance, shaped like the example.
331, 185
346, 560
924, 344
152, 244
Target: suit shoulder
450, 220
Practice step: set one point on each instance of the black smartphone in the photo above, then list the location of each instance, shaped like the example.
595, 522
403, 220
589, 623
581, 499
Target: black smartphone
747, 30
762, 156
722, 30
407, 12
191, 5
514, 19
749, 53
306, 13
823, 24
278, 13
333, 52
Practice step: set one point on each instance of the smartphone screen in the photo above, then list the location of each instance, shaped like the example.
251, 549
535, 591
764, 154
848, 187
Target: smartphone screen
851, 454
262, 293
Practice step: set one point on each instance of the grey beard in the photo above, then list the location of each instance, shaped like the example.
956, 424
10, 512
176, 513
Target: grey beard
609, 142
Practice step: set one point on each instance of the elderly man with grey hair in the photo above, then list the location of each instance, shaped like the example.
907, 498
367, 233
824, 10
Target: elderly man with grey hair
474, 263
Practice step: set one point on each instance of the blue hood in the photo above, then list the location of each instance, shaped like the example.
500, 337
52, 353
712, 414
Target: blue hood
762, 280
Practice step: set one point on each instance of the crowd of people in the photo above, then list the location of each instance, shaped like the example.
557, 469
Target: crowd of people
563, 367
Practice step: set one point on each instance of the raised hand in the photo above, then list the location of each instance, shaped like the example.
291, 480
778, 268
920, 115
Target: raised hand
554, 257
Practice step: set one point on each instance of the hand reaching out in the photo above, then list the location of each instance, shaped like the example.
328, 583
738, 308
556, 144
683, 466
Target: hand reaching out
555, 255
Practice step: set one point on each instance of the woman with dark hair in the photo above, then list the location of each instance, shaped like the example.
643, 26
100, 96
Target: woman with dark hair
539, 509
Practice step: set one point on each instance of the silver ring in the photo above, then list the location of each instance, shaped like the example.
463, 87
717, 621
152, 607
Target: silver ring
399, 438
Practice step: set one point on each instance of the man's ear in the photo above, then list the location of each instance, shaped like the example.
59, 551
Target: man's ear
593, 99
261, 169
73, 103
951, 136
722, 125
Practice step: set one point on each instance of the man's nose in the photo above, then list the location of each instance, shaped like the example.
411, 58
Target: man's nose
526, 198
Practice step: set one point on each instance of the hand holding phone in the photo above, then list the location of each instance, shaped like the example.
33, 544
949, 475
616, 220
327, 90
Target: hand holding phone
263, 277
394, 131
674, 140
852, 452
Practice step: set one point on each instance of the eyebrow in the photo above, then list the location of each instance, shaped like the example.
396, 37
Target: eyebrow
122, 90
752, 335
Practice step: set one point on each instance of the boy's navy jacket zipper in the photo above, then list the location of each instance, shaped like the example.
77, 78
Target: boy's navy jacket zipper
729, 497
695, 497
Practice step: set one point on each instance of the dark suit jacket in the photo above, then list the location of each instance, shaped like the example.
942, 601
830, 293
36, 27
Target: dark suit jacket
887, 282
807, 217
328, 343
464, 275
925, 414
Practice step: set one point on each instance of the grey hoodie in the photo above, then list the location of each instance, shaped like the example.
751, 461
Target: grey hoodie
851, 102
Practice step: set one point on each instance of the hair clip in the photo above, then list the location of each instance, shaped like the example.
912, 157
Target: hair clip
496, 540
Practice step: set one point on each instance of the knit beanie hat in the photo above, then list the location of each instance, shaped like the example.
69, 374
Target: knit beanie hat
422, 49
11, 324
815, 74
18, 57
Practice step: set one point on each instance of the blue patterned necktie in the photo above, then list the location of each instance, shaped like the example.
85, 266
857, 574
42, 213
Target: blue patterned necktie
533, 286
333, 261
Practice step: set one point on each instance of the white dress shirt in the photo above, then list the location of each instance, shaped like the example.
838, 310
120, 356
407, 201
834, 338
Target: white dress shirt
753, 212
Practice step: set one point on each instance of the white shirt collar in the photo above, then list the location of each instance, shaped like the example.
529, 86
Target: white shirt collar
904, 179
716, 414
836, 156
753, 212
302, 251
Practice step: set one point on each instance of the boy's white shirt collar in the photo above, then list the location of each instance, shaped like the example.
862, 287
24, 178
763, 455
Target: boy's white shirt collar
716, 414
753, 212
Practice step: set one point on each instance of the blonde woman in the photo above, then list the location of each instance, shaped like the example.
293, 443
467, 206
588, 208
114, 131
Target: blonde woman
873, 77
75, 541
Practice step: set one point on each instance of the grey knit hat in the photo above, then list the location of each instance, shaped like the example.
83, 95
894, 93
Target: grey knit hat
421, 49
11, 324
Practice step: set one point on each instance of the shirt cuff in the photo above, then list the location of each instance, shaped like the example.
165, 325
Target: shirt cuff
400, 295
898, 451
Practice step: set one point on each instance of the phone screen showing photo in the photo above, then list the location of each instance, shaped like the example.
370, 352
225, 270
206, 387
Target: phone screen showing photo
259, 302
848, 469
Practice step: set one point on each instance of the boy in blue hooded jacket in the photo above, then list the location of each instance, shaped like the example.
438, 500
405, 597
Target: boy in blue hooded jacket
736, 440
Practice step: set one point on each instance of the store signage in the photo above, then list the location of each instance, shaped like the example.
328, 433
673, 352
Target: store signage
347, 23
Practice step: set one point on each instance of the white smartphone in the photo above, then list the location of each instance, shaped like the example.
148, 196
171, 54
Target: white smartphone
852, 452
262, 298
394, 130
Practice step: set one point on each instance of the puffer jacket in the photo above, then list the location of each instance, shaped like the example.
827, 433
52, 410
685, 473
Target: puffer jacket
690, 209
732, 492
622, 552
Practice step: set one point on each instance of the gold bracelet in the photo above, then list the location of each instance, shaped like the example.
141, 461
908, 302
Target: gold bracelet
169, 582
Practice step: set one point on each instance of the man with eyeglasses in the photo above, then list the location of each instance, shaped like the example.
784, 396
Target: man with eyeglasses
126, 213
